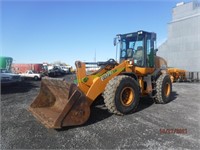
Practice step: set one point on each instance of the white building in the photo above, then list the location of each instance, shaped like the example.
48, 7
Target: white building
182, 47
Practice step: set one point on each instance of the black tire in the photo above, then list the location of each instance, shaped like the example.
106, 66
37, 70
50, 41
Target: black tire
163, 89
121, 95
36, 78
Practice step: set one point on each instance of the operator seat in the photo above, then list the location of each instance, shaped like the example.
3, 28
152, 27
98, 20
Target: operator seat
139, 55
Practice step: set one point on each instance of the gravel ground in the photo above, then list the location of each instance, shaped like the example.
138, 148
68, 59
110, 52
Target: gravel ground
140, 130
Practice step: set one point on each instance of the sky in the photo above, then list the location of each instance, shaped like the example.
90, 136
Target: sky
37, 31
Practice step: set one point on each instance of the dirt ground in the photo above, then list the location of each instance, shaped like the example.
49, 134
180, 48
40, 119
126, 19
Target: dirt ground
153, 126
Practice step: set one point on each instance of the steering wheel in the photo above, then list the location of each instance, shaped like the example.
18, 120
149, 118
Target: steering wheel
139, 62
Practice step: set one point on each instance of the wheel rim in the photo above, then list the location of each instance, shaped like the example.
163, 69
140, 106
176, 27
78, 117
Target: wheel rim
127, 96
167, 89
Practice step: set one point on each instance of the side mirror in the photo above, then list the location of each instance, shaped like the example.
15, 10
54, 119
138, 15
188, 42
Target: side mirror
155, 51
115, 41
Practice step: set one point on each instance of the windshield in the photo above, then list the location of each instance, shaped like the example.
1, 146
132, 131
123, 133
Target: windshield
132, 47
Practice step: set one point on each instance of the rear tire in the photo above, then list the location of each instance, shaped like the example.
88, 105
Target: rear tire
121, 95
163, 89
36, 78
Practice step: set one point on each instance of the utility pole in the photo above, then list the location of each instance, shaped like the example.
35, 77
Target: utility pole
95, 55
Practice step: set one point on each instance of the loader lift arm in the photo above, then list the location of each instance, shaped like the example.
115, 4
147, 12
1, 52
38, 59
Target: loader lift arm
93, 85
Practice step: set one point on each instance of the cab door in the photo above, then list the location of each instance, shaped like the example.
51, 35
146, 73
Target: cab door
150, 50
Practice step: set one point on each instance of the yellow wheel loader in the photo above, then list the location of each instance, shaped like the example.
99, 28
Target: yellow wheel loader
138, 73
177, 74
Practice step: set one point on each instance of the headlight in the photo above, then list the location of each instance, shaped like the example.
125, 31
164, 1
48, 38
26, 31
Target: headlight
131, 61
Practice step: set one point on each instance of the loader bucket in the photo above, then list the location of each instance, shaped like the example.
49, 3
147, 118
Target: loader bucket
59, 104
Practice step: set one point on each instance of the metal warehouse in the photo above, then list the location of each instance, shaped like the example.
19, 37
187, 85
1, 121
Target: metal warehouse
182, 47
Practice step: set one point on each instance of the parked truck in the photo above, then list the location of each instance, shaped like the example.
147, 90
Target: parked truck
22, 68
31, 74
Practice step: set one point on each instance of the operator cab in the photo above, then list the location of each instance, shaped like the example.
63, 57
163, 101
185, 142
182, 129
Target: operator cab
137, 46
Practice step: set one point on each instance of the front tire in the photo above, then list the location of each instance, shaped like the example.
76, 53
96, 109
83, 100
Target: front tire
121, 95
163, 89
